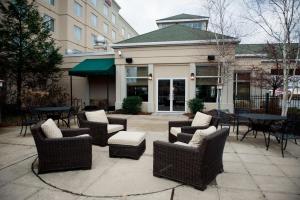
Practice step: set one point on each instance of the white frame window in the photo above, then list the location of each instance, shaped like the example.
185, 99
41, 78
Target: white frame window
105, 10
209, 78
77, 9
94, 20
93, 39
50, 22
123, 32
113, 18
77, 33
132, 76
105, 28
94, 2
51, 2
113, 35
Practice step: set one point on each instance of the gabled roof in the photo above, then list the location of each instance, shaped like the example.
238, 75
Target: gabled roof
183, 16
251, 49
174, 33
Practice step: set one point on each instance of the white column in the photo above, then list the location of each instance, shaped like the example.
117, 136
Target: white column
227, 92
120, 85
191, 84
151, 99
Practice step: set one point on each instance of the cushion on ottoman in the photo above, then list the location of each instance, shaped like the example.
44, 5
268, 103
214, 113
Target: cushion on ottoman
127, 138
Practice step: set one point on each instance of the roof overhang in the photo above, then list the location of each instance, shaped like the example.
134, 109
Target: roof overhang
172, 43
250, 55
182, 20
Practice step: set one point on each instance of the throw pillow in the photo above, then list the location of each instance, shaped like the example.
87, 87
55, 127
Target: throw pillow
201, 119
97, 116
200, 134
51, 130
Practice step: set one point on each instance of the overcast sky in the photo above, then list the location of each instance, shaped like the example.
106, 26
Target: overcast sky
141, 14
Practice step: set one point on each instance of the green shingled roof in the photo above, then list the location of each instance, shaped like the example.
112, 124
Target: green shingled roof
251, 49
183, 16
173, 33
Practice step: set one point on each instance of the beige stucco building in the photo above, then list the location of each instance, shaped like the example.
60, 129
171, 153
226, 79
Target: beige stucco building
76, 24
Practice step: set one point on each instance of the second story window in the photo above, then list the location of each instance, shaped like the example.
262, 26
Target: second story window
105, 10
113, 35
49, 22
77, 9
123, 32
105, 28
113, 18
94, 20
77, 33
51, 2
93, 39
94, 2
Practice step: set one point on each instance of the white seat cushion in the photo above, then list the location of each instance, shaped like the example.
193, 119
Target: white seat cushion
97, 116
111, 128
182, 144
127, 138
51, 130
84, 135
200, 134
201, 119
175, 130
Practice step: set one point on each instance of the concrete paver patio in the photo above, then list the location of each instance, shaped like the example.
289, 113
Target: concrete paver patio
251, 172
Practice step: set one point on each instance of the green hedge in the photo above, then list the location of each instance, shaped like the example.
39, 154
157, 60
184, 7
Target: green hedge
195, 105
132, 105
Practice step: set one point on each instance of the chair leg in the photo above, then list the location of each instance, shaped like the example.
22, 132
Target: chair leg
285, 144
268, 144
255, 135
296, 141
21, 130
282, 149
25, 131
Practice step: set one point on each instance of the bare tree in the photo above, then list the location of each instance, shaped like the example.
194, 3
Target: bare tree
279, 19
221, 25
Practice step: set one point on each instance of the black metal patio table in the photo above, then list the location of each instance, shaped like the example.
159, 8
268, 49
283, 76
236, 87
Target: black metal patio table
259, 122
55, 112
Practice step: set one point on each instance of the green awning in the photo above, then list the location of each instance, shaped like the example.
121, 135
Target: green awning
92, 67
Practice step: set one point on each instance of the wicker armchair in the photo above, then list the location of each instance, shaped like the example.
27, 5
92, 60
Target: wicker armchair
190, 165
65, 153
187, 128
99, 131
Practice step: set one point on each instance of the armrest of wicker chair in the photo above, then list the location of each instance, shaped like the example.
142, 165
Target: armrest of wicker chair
118, 121
161, 147
75, 132
95, 127
192, 129
184, 137
179, 123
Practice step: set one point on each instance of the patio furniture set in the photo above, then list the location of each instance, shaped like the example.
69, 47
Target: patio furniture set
194, 158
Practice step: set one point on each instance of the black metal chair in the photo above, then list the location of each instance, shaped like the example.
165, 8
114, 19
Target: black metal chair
28, 118
290, 129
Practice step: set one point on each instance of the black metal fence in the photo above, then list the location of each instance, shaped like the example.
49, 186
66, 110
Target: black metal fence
264, 104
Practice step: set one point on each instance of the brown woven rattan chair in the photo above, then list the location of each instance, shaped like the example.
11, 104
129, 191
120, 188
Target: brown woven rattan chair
67, 153
187, 128
196, 166
98, 131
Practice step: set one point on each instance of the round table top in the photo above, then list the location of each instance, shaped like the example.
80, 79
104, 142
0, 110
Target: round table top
257, 116
53, 109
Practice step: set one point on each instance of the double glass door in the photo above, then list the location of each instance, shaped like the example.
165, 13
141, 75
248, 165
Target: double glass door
171, 95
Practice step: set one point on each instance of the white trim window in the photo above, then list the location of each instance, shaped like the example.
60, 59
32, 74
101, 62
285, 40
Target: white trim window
77, 9
113, 18
93, 39
94, 2
105, 10
114, 35
51, 2
105, 28
49, 22
137, 81
94, 20
77, 33
123, 32
206, 83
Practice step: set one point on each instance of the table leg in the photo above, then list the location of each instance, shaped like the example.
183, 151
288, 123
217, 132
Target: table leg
246, 134
237, 128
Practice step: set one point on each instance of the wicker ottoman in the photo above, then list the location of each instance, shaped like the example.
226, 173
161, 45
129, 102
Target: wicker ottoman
126, 144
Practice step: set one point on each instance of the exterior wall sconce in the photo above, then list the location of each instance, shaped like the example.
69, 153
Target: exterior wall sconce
150, 77
1, 83
192, 76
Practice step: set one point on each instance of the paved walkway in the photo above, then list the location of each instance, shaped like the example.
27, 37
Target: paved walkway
251, 172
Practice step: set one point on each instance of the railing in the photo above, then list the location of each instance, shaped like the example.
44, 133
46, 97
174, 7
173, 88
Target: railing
264, 104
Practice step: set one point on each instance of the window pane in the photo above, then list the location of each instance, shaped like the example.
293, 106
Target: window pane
137, 71
94, 2
77, 33
93, 39
138, 87
94, 20
113, 18
206, 89
206, 71
243, 90
105, 27
77, 9
49, 22
105, 11
113, 33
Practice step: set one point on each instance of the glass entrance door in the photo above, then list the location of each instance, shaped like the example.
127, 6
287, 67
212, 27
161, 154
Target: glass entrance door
171, 95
